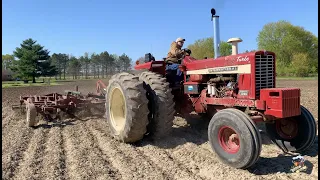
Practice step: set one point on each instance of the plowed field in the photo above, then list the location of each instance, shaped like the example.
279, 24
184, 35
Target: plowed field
83, 149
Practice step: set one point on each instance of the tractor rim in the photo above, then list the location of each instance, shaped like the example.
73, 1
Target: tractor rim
229, 140
117, 106
287, 128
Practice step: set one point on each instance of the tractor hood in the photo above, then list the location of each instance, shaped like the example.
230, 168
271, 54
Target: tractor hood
239, 59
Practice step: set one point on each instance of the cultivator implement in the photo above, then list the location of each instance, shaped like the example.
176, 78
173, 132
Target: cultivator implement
50, 106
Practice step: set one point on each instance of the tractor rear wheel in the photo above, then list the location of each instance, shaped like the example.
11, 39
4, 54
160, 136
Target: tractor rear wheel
295, 134
126, 108
31, 114
235, 138
161, 104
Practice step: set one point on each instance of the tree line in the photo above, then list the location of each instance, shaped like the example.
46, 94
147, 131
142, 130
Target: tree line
31, 60
296, 55
98, 65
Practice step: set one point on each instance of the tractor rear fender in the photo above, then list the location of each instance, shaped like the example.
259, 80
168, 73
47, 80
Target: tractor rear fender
143, 66
149, 65
154, 66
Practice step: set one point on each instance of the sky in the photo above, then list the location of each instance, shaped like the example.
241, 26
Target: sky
139, 27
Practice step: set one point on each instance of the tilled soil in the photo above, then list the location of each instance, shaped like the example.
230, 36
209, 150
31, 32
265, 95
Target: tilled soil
83, 149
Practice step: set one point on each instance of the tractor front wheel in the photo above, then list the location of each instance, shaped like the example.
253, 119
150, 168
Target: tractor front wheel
126, 108
235, 138
295, 134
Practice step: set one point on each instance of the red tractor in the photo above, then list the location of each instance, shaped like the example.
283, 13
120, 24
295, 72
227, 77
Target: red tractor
236, 91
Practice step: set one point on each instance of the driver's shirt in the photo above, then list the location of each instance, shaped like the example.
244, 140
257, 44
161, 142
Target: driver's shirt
175, 53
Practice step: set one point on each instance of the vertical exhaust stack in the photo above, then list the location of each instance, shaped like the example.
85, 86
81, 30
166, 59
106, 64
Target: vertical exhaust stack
216, 33
234, 42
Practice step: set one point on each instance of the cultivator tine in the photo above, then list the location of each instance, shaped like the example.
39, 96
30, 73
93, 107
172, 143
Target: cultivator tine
72, 92
18, 106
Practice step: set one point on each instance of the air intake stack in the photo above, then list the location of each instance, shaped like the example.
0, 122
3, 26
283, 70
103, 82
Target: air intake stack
216, 33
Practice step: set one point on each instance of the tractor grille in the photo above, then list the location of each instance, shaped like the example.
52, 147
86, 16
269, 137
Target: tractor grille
264, 72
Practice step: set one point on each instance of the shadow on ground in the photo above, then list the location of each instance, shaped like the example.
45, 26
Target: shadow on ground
70, 119
194, 130
280, 164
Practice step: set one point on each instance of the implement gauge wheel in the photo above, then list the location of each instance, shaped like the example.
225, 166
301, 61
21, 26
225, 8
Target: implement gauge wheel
31, 114
235, 138
126, 108
295, 134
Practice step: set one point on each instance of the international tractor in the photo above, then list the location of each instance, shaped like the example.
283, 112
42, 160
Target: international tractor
236, 91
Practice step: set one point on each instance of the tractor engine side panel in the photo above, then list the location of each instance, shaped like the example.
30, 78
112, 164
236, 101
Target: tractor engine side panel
245, 86
191, 88
229, 76
198, 78
230, 81
255, 70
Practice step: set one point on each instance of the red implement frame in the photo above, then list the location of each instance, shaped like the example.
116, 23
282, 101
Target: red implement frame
71, 101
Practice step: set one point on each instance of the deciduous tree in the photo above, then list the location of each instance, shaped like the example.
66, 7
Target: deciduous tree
7, 61
288, 40
204, 48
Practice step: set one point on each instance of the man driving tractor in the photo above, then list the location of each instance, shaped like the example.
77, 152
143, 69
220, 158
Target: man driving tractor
175, 56
175, 53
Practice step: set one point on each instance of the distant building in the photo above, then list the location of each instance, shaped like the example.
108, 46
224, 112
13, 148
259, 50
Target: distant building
7, 75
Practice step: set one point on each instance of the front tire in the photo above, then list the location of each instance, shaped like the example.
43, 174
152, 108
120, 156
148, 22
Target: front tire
126, 108
235, 138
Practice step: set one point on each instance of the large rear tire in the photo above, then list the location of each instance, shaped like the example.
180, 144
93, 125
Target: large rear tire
161, 104
235, 138
294, 134
126, 108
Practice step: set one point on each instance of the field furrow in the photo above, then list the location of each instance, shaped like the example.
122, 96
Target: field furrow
53, 163
16, 138
83, 148
130, 163
32, 162
83, 158
168, 164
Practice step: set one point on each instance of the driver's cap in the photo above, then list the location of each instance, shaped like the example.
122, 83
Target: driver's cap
180, 39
